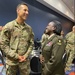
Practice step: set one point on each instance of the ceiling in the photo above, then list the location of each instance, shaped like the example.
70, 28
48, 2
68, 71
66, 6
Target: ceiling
70, 4
63, 7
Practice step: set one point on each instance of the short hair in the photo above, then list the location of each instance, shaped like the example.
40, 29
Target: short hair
23, 3
58, 26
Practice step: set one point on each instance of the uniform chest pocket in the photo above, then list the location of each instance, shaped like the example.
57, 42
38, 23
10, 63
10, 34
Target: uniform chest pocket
48, 46
26, 34
16, 33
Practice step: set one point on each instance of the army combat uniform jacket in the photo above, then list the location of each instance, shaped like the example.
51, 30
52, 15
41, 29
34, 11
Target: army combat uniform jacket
70, 41
53, 50
70, 49
16, 40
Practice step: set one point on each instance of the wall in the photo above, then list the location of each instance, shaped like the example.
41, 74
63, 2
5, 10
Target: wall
7, 10
58, 6
39, 19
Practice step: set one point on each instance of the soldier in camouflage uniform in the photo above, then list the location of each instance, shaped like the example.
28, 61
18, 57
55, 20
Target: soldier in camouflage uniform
70, 48
53, 50
62, 34
17, 42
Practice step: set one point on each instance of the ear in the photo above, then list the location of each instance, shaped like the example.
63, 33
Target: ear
17, 10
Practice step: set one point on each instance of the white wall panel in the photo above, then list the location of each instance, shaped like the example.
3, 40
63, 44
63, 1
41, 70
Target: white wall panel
58, 6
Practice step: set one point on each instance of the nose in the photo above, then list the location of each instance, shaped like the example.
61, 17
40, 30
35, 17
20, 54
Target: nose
46, 27
27, 12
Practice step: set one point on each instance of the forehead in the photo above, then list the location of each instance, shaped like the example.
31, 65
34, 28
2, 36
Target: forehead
51, 24
23, 7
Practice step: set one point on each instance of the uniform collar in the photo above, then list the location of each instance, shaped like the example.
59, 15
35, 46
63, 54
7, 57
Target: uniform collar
17, 25
51, 35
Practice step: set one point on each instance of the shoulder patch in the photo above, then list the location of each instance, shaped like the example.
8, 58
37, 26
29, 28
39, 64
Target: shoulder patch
59, 42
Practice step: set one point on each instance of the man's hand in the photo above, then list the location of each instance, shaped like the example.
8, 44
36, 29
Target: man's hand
22, 58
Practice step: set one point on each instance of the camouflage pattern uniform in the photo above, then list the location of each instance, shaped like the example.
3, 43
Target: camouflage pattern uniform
53, 50
70, 49
17, 40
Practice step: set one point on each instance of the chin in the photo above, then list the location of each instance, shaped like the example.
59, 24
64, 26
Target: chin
24, 19
46, 32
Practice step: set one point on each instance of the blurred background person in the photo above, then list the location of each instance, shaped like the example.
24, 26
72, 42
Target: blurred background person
62, 33
70, 48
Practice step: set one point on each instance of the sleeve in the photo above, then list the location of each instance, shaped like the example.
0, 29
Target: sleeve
42, 38
56, 57
68, 35
5, 43
31, 44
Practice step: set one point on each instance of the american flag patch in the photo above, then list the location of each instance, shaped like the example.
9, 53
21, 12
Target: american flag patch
49, 44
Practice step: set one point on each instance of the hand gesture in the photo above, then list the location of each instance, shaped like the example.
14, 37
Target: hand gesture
22, 58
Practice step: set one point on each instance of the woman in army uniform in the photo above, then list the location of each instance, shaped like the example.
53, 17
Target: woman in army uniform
53, 50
